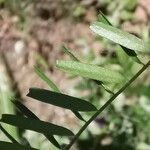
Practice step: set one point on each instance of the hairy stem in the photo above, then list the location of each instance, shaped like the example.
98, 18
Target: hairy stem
106, 105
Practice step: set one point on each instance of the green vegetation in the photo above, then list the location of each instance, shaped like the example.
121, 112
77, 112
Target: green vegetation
111, 105
85, 70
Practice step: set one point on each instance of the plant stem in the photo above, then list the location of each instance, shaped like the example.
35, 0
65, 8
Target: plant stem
107, 104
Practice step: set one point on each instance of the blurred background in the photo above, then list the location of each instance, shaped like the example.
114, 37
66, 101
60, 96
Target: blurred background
32, 32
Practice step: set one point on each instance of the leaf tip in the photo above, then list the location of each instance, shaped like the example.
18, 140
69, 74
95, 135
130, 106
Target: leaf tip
29, 92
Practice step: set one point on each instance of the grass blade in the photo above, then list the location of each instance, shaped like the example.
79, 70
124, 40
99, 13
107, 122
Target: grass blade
30, 114
53, 86
90, 71
60, 100
120, 37
50, 83
102, 18
12, 146
35, 125
72, 56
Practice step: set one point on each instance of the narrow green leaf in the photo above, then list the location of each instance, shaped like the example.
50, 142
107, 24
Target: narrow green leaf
102, 18
72, 56
52, 139
60, 100
7, 134
132, 54
129, 52
35, 125
123, 59
50, 83
90, 71
13, 146
120, 37
78, 115
107, 89
66, 50
30, 114
53, 86
25, 111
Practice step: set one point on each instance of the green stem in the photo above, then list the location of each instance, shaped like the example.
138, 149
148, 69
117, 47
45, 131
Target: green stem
106, 105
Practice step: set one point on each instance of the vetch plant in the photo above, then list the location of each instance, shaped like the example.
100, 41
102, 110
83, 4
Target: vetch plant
103, 76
